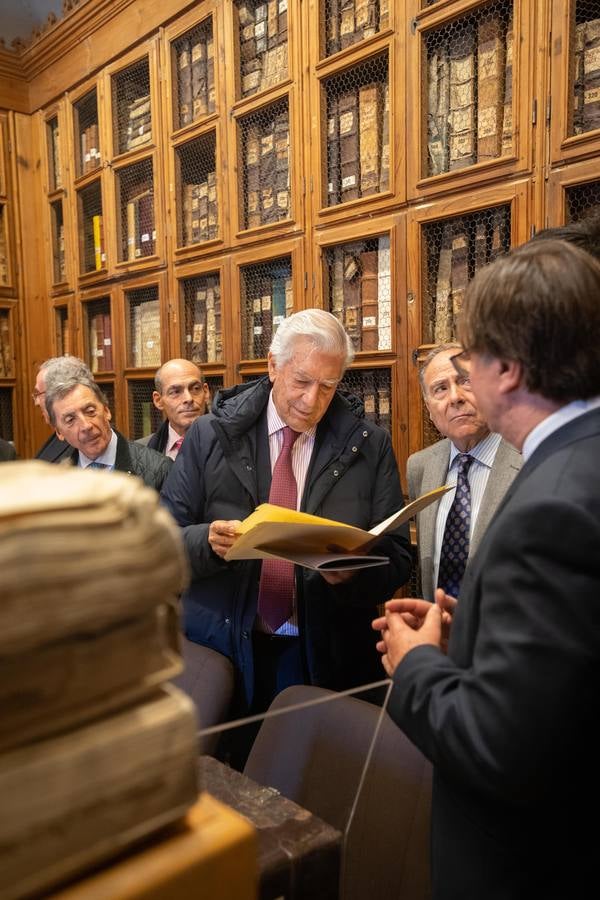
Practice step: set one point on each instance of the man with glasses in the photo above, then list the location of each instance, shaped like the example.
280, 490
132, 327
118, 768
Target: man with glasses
181, 395
508, 715
58, 368
489, 464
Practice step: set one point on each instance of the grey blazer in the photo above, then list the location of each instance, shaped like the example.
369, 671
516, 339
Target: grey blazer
426, 470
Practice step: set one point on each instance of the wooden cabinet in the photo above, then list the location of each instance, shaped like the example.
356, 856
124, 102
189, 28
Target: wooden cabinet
209, 169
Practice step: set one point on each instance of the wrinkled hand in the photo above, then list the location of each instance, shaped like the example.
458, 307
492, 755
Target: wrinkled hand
407, 624
338, 577
222, 534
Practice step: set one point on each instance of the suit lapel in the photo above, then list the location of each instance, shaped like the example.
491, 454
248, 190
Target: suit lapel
435, 472
503, 472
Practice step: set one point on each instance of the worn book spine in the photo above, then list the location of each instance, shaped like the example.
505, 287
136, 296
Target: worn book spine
253, 218
384, 14
578, 78
361, 18
369, 300
591, 76
460, 272
198, 329
266, 309
268, 210
438, 109
384, 294
211, 323
202, 211
146, 224
491, 65
500, 232
132, 230
507, 114
368, 392
481, 245
347, 23
332, 27
108, 352
384, 164
349, 149
199, 77
260, 28
150, 333
336, 274
384, 407
185, 83
210, 73
352, 302
333, 152
257, 328
443, 308
462, 135
281, 136
213, 209
56, 166
218, 352
279, 281
369, 138
98, 242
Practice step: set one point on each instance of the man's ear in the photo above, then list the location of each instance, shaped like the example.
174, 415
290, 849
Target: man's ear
157, 400
60, 436
510, 375
271, 366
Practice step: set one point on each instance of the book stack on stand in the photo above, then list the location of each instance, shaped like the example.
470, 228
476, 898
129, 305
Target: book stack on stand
96, 750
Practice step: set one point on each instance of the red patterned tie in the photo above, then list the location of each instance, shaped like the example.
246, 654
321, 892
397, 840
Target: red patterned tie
276, 590
177, 446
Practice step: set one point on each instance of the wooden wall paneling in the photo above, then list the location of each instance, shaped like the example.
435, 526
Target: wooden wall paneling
565, 144
420, 23
541, 119
57, 198
64, 329
33, 310
578, 182
466, 211
14, 88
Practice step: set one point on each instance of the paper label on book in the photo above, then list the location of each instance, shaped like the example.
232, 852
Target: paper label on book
257, 330
259, 28
282, 199
188, 339
149, 345
384, 405
487, 62
197, 52
592, 60
369, 402
369, 322
348, 182
282, 6
266, 143
346, 122
384, 339
99, 352
145, 237
487, 124
107, 342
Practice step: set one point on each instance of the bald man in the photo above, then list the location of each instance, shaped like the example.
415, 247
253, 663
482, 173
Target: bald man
182, 396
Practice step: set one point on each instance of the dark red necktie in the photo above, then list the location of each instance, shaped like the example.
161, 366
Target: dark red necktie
276, 589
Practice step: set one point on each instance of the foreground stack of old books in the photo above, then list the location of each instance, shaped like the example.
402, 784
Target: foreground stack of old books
96, 750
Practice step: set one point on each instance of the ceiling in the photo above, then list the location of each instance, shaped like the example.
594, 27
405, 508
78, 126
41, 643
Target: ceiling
18, 18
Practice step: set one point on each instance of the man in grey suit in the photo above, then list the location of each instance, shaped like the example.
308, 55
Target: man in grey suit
454, 413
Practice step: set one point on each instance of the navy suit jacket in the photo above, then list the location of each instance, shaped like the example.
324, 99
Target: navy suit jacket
508, 717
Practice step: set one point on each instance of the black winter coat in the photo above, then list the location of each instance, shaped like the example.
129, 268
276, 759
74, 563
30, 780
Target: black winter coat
135, 459
223, 472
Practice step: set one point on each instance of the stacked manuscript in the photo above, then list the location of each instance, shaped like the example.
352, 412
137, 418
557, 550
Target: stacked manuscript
100, 340
54, 155
469, 92
140, 233
200, 211
267, 167
267, 297
349, 21
360, 292
6, 350
145, 333
263, 29
586, 103
138, 122
96, 751
3, 247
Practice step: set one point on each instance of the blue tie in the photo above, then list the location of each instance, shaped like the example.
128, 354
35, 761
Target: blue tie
97, 465
455, 545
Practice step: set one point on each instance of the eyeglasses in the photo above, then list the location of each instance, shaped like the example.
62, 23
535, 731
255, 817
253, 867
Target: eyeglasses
35, 395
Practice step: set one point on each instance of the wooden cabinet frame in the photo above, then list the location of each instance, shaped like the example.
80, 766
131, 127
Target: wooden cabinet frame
574, 175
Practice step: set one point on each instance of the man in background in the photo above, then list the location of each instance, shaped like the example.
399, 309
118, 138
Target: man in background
182, 396
59, 368
79, 412
507, 716
470, 453
7, 451
316, 629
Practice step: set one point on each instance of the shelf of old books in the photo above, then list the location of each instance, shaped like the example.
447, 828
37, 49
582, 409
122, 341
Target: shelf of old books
261, 44
90, 226
97, 331
86, 134
266, 296
53, 147
201, 318
57, 237
5, 262
372, 385
131, 106
7, 363
264, 151
192, 71
143, 331
575, 78
574, 193
197, 204
62, 334
4, 142
144, 417
355, 134
357, 290
344, 23
6, 413
466, 74
136, 217
108, 389
448, 244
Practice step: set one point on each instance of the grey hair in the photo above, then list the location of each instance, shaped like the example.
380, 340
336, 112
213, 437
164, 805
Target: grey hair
439, 348
60, 389
61, 368
321, 327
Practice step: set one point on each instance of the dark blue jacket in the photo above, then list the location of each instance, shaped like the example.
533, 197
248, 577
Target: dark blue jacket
223, 472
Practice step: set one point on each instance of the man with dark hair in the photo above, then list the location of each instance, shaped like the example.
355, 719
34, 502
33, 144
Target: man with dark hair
490, 463
585, 234
508, 715
79, 412
182, 396
58, 368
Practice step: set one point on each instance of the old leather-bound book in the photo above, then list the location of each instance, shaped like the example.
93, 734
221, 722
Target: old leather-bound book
369, 302
443, 309
369, 137
490, 87
462, 132
460, 272
591, 76
349, 149
507, 116
438, 108
253, 217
